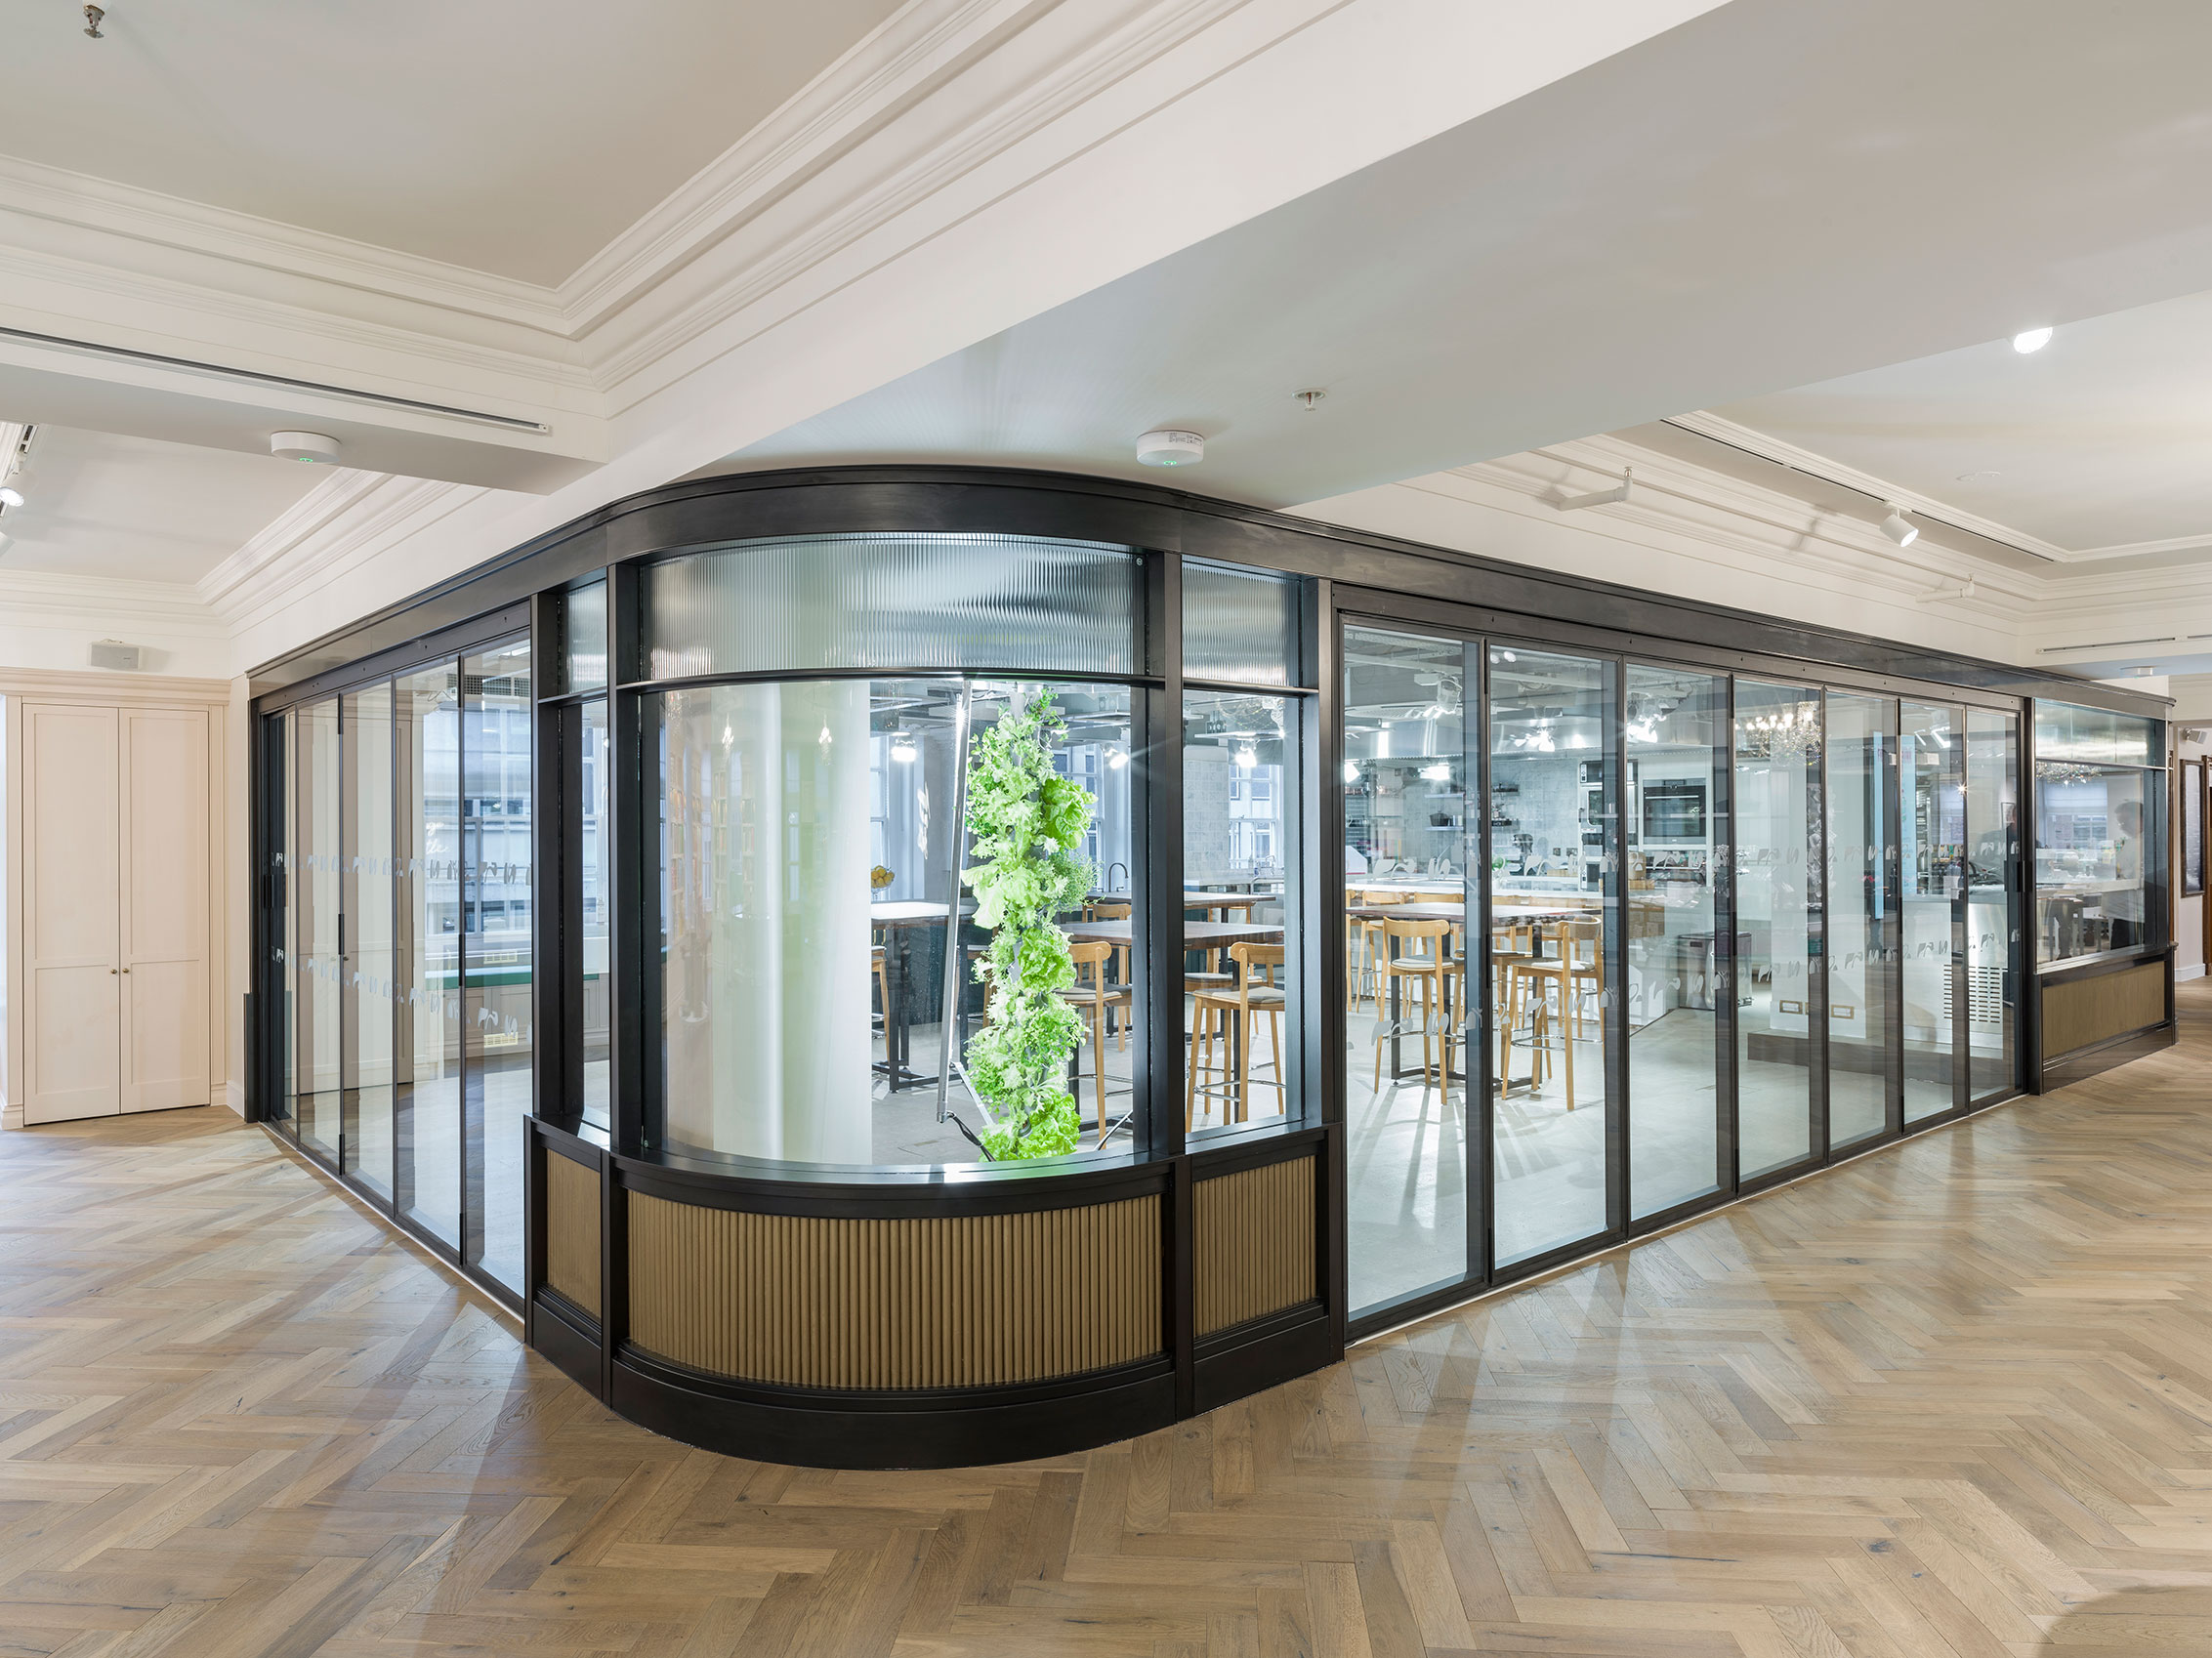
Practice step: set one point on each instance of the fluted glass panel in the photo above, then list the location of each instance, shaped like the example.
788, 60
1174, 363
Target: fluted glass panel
895, 600
1240, 625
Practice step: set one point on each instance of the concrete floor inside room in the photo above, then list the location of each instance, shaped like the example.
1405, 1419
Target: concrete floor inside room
1949, 1400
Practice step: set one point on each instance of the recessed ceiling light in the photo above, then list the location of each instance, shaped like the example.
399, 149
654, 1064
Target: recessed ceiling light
1981, 476
2032, 340
1899, 528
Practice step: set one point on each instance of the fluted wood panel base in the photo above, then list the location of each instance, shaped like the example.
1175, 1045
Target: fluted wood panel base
2086, 1010
572, 1230
963, 1302
1254, 1244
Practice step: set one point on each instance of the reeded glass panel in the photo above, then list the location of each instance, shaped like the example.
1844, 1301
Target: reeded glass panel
497, 956
819, 999
1239, 814
1677, 748
2096, 736
902, 601
1407, 775
1554, 886
1862, 915
1993, 919
370, 920
317, 1004
1240, 625
584, 638
1778, 859
593, 860
1933, 837
427, 1119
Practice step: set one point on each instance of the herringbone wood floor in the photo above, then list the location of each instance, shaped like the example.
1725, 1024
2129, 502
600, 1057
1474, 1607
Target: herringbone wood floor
1954, 1399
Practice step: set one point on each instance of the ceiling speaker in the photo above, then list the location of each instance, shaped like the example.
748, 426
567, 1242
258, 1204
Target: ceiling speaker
114, 653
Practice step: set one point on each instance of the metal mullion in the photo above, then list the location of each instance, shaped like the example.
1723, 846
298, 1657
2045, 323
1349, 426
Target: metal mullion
461, 955
1961, 879
1892, 768
348, 893
1322, 991
1816, 855
1723, 877
1482, 1172
1612, 944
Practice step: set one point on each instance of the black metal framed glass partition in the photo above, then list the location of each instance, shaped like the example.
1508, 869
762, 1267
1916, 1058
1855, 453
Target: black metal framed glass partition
1725, 934
920, 966
396, 838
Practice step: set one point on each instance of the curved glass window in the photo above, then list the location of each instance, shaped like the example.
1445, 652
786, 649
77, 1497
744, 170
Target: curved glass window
895, 920
894, 600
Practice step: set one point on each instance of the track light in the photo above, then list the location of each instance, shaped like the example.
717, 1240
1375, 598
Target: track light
1899, 528
11, 497
2031, 340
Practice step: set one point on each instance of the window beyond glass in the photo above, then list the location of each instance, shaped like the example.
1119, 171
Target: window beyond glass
900, 600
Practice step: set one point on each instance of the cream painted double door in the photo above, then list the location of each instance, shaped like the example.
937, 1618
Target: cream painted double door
116, 899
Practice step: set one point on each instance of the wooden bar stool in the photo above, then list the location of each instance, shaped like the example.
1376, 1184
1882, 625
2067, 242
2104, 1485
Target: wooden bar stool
1258, 990
1424, 964
1095, 998
1578, 969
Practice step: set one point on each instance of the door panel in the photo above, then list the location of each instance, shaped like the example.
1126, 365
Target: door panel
1555, 946
72, 910
1407, 779
164, 909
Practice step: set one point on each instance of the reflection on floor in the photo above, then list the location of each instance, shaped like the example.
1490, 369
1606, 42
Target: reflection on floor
1947, 1400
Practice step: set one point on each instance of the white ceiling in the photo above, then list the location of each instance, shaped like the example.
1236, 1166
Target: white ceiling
1779, 192
2097, 444
131, 507
516, 137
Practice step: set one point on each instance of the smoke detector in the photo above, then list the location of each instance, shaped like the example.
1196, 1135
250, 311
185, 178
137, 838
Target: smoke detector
310, 446
1170, 448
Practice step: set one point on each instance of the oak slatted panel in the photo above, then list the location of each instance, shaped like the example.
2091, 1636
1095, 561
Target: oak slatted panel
2095, 1010
572, 1230
1254, 1243
973, 1300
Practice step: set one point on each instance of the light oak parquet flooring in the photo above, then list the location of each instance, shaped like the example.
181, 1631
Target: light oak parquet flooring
1954, 1399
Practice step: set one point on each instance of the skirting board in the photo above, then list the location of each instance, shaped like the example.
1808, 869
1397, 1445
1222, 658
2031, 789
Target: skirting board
2182, 974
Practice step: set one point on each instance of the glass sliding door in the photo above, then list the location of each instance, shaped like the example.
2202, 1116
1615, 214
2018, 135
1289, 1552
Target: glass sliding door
1553, 870
1932, 839
427, 1095
1407, 781
1676, 743
1778, 867
317, 946
497, 1029
1861, 915
1993, 927
368, 895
